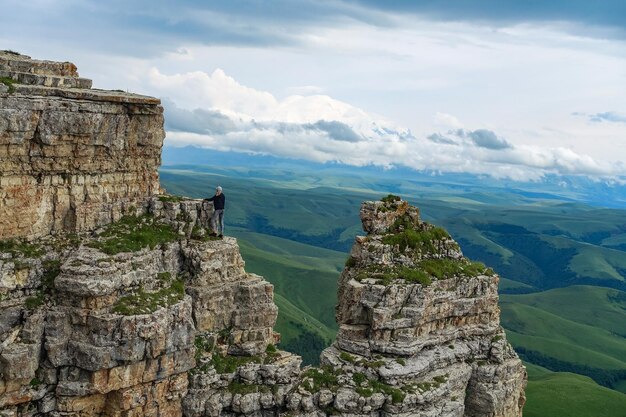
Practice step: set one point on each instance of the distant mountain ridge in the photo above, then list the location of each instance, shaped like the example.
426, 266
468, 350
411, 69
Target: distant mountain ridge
597, 192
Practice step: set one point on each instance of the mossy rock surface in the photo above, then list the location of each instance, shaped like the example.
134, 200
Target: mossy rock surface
133, 233
143, 302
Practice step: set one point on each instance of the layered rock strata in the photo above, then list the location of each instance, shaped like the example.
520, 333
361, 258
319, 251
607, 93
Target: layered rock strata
97, 325
420, 323
419, 335
114, 301
72, 158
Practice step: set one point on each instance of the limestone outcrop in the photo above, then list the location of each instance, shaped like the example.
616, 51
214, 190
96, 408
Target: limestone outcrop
420, 321
419, 335
113, 322
72, 157
115, 300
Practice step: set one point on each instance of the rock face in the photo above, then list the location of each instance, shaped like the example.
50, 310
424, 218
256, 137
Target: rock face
72, 158
417, 317
99, 326
120, 304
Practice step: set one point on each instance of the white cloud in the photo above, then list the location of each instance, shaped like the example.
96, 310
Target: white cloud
306, 90
216, 90
445, 120
222, 114
220, 92
521, 80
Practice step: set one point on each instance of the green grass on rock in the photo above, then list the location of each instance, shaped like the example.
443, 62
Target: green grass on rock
424, 272
133, 233
9, 82
143, 302
20, 248
416, 239
171, 198
316, 379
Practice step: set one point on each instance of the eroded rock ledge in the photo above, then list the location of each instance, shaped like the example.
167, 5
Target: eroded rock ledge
419, 336
100, 325
112, 322
71, 158
114, 301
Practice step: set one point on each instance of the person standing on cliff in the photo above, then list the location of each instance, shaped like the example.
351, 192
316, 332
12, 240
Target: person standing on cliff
217, 220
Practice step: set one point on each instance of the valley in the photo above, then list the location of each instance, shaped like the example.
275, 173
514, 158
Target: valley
562, 264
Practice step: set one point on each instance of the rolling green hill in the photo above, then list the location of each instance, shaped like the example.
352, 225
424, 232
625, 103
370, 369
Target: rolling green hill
579, 329
305, 283
563, 264
556, 251
312, 290
594, 306
552, 394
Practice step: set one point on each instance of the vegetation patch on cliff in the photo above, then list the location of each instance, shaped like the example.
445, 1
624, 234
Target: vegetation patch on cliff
142, 302
32, 303
227, 364
133, 233
239, 388
316, 379
424, 386
390, 198
8, 81
171, 198
222, 364
204, 344
271, 354
199, 233
19, 248
444, 268
424, 272
51, 269
368, 387
416, 239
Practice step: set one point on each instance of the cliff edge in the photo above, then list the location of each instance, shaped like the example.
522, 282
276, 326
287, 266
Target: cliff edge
115, 301
72, 158
420, 321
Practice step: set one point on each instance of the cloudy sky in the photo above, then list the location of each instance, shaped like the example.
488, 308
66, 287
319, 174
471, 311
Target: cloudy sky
510, 88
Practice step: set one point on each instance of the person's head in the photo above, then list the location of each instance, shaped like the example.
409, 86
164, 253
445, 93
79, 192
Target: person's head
218, 190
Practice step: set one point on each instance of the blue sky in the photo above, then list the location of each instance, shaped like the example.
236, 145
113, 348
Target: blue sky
512, 89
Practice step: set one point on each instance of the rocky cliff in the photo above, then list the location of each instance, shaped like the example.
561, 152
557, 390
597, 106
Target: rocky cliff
73, 157
419, 321
114, 301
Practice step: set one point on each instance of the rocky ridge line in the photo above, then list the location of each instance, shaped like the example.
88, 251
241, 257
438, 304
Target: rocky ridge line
114, 322
115, 302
